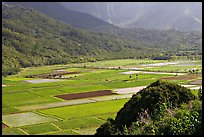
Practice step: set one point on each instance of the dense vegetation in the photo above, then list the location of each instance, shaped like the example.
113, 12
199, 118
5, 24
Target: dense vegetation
30, 38
172, 42
162, 108
74, 18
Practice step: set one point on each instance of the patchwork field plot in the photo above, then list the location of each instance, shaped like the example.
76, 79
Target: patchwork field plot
41, 80
64, 106
78, 123
184, 77
12, 131
129, 90
25, 98
85, 110
85, 95
87, 131
64, 132
111, 97
39, 128
54, 105
28, 118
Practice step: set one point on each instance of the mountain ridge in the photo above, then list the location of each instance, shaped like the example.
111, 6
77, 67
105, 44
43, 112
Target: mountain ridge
31, 38
183, 16
59, 12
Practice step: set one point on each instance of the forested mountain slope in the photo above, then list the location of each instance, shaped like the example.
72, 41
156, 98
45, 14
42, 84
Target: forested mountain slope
171, 40
30, 38
59, 12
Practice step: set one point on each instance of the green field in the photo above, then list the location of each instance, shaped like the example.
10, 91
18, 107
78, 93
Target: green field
81, 111
21, 97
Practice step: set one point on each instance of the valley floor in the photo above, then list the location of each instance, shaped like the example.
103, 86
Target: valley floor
35, 108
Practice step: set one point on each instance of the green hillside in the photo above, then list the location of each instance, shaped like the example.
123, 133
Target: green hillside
30, 38
59, 12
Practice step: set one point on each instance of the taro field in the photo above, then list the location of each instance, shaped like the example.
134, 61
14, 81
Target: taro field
75, 99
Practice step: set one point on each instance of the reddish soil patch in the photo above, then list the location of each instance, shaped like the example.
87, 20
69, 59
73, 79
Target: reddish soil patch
182, 77
4, 126
85, 95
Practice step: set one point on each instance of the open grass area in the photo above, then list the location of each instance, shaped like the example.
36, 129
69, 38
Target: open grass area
7, 109
25, 98
78, 123
85, 110
64, 132
87, 131
12, 131
118, 63
39, 128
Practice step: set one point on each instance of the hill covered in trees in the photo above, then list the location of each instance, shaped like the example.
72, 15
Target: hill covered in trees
162, 108
31, 38
59, 12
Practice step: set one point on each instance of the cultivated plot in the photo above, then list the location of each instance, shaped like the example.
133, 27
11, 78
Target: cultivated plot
41, 80
85, 110
28, 118
129, 90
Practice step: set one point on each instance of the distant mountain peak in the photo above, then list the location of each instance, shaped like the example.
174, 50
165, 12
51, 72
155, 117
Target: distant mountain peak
148, 15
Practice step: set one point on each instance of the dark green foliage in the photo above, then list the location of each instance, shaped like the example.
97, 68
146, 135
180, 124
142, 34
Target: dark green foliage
162, 58
185, 122
10, 71
30, 38
107, 128
154, 100
74, 18
162, 108
200, 93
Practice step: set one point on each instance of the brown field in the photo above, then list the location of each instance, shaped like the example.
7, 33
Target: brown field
183, 77
85, 95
